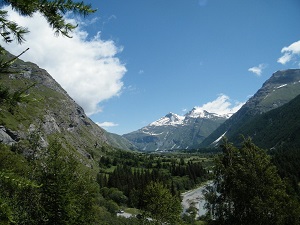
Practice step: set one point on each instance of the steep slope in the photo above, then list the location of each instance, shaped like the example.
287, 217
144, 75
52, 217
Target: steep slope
274, 128
176, 132
120, 142
50, 113
282, 87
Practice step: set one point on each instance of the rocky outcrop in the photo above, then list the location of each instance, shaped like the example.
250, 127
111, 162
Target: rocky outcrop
8, 136
50, 112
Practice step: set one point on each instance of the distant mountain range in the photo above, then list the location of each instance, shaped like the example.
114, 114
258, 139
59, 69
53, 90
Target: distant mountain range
270, 118
199, 128
176, 132
281, 88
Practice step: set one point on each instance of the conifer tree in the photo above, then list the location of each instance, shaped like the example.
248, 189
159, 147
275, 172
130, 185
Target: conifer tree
67, 194
53, 11
247, 189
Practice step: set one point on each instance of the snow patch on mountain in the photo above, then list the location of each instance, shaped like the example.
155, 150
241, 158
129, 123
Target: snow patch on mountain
222, 107
199, 112
281, 86
170, 119
151, 133
218, 139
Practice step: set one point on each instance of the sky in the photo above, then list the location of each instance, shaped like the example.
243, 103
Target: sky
134, 61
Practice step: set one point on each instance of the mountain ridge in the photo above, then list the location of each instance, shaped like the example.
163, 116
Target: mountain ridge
278, 90
51, 113
275, 128
173, 131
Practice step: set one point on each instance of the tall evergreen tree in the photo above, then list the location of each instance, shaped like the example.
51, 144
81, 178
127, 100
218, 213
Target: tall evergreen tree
247, 189
67, 194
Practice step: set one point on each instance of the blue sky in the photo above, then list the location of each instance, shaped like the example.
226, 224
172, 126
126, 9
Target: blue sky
147, 58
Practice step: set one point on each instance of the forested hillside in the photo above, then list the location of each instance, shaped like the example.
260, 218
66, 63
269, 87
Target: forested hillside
277, 127
278, 90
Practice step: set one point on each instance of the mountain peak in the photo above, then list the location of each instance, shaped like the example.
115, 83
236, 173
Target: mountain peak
278, 90
199, 112
170, 114
169, 119
173, 131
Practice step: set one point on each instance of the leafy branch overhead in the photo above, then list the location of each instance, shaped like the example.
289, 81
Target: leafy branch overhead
53, 11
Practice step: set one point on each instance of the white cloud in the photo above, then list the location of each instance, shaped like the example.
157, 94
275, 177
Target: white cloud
87, 68
257, 69
222, 105
107, 124
289, 52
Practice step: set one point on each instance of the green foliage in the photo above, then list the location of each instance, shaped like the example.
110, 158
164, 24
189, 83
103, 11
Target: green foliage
12, 183
131, 172
67, 196
190, 215
4, 93
15, 181
248, 190
11, 100
160, 204
287, 159
53, 11
114, 194
9, 30
60, 191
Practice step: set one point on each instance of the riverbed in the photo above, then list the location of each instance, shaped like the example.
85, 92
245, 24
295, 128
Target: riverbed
195, 197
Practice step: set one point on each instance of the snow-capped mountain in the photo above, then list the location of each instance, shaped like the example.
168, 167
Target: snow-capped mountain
199, 112
169, 119
174, 119
176, 132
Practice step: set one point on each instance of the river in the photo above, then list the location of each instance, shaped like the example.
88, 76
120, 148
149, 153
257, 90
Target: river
195, 197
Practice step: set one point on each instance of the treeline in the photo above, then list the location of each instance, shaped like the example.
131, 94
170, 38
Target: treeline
133, 172
50, 186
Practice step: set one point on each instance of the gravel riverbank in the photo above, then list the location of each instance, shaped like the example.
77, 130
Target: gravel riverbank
195, 197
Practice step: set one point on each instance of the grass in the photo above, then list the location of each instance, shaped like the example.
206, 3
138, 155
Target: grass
132, 211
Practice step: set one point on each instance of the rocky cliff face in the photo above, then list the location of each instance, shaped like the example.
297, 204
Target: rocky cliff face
50, 112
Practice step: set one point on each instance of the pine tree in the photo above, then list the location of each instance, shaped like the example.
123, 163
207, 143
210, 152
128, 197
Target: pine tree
67, 194
53, 11
247, 189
